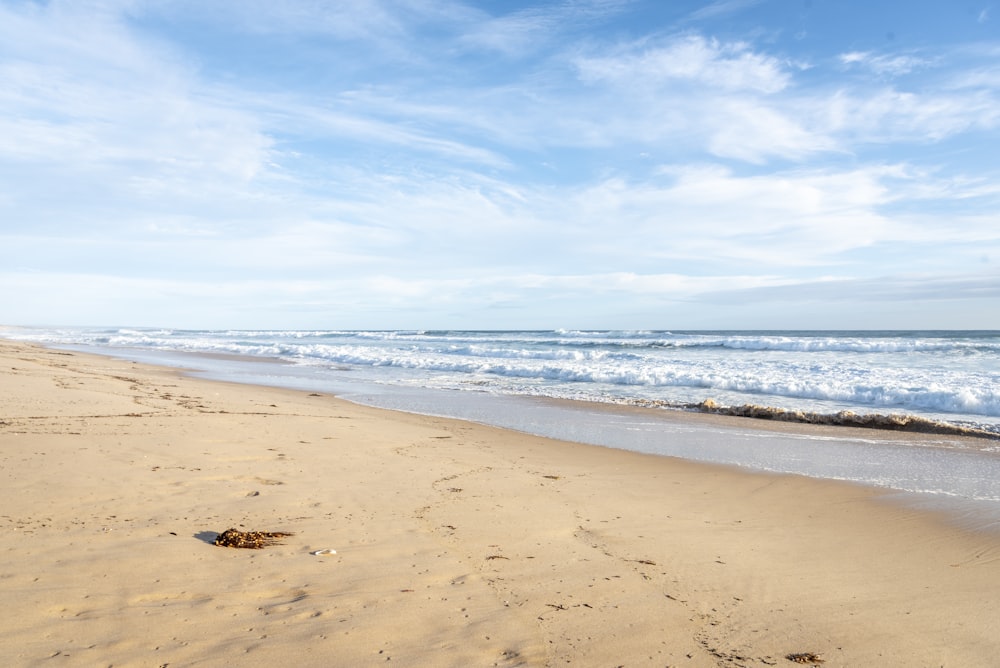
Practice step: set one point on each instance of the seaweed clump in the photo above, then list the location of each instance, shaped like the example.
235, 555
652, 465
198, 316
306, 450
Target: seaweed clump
891, 422
252, 540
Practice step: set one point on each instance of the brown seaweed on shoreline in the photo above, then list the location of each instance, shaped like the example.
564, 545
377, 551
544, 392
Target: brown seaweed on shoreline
891, 422
253, 540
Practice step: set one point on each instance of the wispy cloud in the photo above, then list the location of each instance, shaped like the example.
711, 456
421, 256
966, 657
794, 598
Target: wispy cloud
524, 31
891, 115
885, 64
904, 287
719, 8
705, 62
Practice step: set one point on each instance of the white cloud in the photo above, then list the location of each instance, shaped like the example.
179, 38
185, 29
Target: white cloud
99, 299
711, 217
754, 132
363, 20
365, 126
691, 95
894, 288
81, 93
890, 115
986, 78
525, 31
885, 64
721, 8
705, 62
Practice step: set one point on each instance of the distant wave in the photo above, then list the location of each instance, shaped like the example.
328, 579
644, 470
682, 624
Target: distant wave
637, 339
794, 344
652, 339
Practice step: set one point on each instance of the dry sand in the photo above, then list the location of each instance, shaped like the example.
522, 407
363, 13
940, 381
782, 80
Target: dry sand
456, 544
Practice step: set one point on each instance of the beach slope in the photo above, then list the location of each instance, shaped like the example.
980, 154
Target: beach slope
455, 544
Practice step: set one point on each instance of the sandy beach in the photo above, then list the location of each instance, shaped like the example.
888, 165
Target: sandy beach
456, 544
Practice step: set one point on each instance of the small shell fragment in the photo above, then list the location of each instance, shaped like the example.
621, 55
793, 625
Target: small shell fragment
323, 553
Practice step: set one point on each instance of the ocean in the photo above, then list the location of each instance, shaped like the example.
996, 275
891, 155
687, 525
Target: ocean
567, 384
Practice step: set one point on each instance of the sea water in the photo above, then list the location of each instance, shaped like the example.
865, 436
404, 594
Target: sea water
518, 379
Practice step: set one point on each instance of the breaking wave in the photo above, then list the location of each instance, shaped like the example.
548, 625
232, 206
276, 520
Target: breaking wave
932, 375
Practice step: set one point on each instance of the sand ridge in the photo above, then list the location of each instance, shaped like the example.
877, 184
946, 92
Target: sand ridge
456, 544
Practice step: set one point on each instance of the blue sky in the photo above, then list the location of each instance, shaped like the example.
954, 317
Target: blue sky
430, 164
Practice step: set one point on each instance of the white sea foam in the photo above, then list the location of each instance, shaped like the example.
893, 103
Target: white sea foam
924, 373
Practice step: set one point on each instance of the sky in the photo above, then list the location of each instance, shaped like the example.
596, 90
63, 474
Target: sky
409, 164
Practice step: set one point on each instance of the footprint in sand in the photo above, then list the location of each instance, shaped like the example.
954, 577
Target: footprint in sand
268, 481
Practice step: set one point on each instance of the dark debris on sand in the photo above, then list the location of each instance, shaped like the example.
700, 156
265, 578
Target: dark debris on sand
889, 422
253, 540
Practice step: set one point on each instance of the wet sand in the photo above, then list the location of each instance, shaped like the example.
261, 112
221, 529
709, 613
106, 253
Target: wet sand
456, 544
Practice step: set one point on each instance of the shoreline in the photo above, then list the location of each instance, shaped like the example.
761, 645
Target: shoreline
457, 543
794, 440
762, 406
759, 416
965, 486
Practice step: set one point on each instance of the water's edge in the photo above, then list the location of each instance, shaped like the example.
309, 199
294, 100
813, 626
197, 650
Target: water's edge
960, 476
